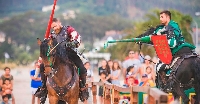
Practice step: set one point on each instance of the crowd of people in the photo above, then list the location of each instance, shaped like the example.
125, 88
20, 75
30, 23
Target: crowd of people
135, 70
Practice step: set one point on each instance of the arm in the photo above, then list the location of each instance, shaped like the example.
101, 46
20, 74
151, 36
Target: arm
74, 36
173, 33
3, 88
124, 69
1, 82
118, 74
124, 73
11, 87
34, 78
11, 82
37, 69
108, 77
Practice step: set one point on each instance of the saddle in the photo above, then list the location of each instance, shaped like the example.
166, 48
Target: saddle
178, 60
174, 67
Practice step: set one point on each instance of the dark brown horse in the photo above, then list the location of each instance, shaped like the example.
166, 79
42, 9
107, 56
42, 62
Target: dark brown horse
62, 81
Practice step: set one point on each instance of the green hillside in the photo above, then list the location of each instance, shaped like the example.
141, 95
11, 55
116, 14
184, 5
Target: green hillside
100, 7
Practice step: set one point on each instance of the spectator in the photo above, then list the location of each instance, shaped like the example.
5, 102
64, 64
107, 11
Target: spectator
35, 83
110, 64
146, 64
5, 76
115, 73
146, 82
102, 79
132, 81
150, 74
5, 99
130, 62
139, 56
105, 69
89, 78
110, 67
7, 88
131, 76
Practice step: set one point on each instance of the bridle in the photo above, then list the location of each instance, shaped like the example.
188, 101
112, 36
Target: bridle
50, 54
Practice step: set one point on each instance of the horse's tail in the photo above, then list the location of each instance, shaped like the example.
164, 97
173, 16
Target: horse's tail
197, 69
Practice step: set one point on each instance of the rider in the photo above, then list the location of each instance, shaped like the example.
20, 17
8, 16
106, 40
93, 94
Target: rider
176, 41
175, 38
73, 40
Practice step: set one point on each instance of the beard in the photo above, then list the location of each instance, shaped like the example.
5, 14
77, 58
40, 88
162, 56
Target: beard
57, 31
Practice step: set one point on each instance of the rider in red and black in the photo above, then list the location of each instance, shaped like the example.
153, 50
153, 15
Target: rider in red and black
73, 40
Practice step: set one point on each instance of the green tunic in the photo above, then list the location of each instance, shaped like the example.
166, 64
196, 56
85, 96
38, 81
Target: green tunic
177, 41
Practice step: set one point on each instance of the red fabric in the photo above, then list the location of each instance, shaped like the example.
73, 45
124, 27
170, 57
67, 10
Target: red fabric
162, 48
70, 29
77, 36
136, 82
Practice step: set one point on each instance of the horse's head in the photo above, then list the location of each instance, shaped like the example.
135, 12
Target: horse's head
47, 53
52, 53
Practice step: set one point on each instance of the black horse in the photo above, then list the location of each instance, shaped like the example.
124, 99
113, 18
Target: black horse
185, 73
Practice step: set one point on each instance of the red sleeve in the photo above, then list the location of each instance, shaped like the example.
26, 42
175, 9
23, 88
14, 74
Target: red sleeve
70, 29
73, 34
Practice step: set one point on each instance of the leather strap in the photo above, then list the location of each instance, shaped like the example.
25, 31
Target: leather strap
62, 91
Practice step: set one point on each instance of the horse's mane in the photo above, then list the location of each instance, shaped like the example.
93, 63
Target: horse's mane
59, 52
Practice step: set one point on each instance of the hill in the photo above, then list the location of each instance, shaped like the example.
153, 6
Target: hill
126, 8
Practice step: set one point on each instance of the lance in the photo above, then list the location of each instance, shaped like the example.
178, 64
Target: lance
50, 21
143, 39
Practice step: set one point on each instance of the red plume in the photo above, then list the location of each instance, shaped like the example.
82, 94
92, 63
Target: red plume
50, 21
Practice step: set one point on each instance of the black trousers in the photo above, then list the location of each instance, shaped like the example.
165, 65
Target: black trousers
77, 61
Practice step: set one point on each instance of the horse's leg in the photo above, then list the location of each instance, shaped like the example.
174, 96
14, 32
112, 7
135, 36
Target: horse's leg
180, 92
197, 96
73, 99
197, 86
175, 95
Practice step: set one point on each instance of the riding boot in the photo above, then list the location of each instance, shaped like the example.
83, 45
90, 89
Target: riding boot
43, 99
42, 91
83, 92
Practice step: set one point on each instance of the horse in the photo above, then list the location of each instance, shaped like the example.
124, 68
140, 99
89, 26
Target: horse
62, 76
186, 75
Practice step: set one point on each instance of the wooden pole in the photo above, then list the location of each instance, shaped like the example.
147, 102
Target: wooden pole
133, 97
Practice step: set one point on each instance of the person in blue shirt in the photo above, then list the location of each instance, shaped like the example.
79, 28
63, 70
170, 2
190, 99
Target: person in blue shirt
35, 83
